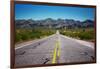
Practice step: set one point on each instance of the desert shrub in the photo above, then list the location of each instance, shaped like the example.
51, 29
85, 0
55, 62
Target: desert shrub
85, 35
25, 36
17, 37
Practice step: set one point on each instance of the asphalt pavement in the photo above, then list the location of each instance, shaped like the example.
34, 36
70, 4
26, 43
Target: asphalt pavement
54, 49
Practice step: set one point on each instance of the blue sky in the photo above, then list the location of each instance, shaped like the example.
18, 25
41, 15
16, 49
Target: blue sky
38, 12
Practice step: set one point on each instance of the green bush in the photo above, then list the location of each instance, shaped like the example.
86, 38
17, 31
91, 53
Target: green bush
25, 36
17, 38
85, 35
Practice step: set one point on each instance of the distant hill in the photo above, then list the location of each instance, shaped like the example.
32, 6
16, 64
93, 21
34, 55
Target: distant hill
51, 23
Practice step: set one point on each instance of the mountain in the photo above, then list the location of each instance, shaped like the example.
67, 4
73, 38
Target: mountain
51, 23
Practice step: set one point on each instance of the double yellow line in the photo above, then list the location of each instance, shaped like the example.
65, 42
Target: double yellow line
56, 53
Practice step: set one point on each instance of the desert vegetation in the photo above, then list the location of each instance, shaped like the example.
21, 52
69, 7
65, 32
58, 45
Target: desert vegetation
82, 33
28, 34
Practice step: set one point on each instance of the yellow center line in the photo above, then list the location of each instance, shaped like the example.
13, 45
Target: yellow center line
56, 52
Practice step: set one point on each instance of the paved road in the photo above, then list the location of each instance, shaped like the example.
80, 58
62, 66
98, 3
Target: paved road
56, 48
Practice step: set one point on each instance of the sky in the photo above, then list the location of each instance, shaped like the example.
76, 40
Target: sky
39, 12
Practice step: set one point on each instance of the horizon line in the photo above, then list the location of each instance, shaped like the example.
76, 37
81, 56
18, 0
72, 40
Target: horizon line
54, 19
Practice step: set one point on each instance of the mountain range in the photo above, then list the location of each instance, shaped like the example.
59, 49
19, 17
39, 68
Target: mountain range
52, 23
